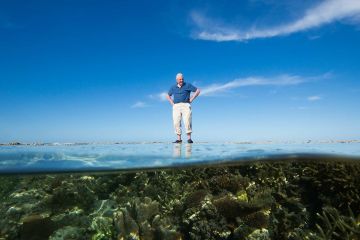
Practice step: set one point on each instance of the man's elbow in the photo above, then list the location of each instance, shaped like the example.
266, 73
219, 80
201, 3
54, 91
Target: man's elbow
198, 91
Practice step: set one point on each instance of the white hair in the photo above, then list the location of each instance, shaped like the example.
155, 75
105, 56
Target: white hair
179, 75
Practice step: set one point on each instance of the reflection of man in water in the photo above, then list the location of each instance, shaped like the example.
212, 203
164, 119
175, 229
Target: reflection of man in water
187, 150
177, 151
182, 105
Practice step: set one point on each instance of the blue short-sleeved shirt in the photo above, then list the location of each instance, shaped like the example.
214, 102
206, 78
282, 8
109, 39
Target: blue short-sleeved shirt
182, 94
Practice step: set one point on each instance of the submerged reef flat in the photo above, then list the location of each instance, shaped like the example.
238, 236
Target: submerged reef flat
298, 199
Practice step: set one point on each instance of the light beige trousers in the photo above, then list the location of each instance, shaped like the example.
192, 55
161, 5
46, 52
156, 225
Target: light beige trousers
182, 110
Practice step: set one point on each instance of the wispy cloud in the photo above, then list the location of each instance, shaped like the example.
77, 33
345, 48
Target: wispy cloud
280, 80
324, 13
139, 104
313, 98
159, 96
314, 37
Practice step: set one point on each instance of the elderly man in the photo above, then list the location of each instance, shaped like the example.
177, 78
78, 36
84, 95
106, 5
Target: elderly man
182, 105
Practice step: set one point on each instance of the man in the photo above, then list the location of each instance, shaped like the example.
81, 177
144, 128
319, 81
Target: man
181, 105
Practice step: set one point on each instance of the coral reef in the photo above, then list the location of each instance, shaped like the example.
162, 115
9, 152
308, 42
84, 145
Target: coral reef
69, 233
292, 199
336, 226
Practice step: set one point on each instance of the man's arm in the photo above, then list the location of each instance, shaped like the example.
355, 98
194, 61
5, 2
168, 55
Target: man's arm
195, 95
169, 98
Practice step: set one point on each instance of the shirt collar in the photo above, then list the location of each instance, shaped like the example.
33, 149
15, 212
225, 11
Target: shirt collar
177, 85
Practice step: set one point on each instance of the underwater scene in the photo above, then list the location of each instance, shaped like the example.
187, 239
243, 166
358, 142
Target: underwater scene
180, 191
180, 120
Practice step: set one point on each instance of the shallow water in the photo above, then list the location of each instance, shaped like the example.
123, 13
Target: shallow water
127, 156
180, 191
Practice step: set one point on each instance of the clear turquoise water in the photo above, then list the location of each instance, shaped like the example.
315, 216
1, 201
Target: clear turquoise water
128, 156
180, 191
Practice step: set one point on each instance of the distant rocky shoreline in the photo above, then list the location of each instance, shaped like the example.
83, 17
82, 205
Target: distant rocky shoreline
156, 142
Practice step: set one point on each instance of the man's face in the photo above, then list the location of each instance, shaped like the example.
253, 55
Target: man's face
180, 80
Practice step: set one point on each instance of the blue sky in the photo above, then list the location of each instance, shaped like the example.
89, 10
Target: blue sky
97, 70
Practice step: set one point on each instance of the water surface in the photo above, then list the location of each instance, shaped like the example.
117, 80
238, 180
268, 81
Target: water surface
128, 156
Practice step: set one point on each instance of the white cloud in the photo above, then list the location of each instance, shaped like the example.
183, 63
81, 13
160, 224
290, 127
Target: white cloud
139, 104
159, 96
324, 13
314, 37
281, 80
313, 98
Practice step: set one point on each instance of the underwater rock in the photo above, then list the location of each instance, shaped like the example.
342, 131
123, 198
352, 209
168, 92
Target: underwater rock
105, 186
69, 233
15, 212
136, 218
242, 196
242, 230
21, 208
103, 227
140, 219
164, 187
73, 217
289, 216
262, 200
7, 185
163, 233
125, 225
336, 180
70, 194
28, 199
334, 225
130, 222
36, 227
230, 182
257, 220
104, 208
146, 209
259, 234
195, 198
230, 207
204, 222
